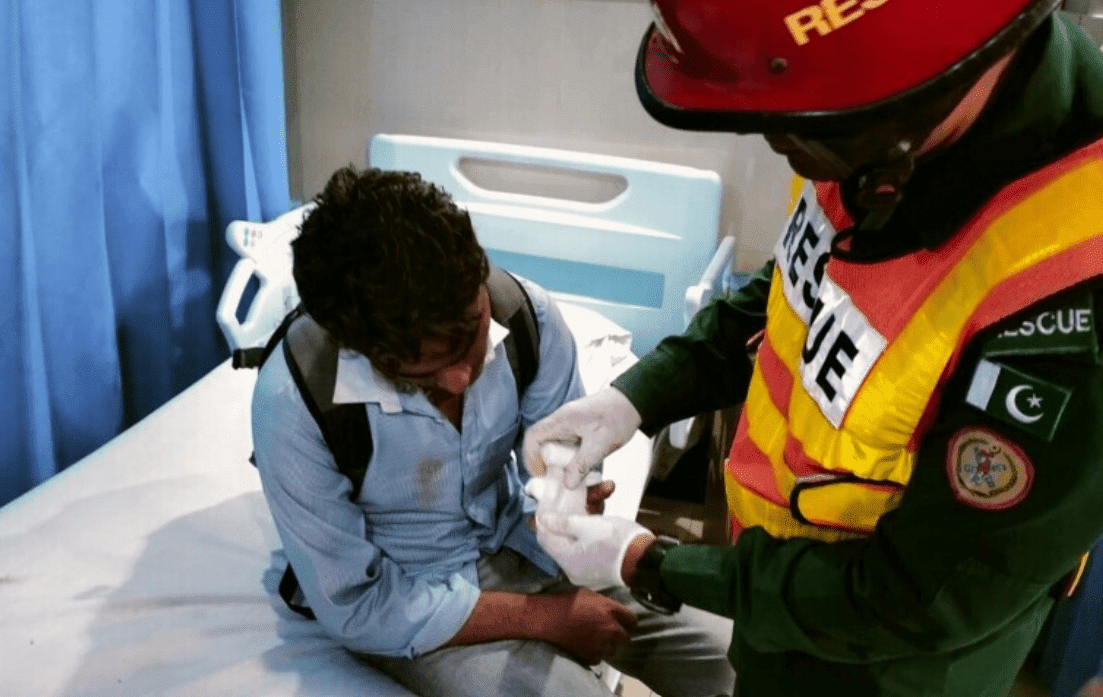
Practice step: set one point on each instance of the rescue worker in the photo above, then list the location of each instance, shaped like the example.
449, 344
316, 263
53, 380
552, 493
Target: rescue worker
918, 468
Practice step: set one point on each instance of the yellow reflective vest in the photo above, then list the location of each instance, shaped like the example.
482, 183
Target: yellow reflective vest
854, 355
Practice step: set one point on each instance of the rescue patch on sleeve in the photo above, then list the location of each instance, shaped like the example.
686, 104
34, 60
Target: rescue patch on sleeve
1068, 329
1018, 399
986, 470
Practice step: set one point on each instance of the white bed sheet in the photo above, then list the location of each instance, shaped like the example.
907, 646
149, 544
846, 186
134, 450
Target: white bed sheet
150, 567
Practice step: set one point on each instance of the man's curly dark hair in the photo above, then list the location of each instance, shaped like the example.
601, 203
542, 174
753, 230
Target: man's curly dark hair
385, 260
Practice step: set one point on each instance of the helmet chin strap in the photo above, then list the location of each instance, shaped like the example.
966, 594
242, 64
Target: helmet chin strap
878, 182
880, 185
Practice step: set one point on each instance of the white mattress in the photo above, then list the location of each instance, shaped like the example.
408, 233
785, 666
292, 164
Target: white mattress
150, 567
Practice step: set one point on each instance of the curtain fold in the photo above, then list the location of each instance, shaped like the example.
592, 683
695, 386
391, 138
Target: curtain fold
131, 133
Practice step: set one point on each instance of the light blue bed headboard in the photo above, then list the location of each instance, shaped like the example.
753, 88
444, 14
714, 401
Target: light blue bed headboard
631, 258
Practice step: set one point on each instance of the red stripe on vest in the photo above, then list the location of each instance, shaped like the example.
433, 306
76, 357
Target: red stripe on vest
800, 464
830, 196
778, 379
752, 468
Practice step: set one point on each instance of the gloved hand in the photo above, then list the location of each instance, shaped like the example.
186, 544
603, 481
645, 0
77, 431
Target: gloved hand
600, 423
589, 548
553, 498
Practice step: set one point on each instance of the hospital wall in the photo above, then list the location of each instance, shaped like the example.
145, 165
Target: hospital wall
551, 73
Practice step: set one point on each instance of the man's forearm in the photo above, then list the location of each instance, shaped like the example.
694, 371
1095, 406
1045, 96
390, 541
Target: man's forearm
501, 615
580, 622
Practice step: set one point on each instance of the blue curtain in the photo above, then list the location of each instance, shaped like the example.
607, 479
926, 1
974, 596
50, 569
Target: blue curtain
131, 133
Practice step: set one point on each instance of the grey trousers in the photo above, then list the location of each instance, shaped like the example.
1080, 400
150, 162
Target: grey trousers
683, 655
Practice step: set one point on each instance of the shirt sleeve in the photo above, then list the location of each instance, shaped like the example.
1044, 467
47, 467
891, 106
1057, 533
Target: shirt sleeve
937, 574
707, 367
353, 588
557, 378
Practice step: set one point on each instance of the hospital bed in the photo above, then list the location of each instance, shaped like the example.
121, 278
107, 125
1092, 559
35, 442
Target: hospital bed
150, 567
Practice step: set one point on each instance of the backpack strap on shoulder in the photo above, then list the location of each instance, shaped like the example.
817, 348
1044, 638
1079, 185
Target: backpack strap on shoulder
311, 356
256, 356
512, 307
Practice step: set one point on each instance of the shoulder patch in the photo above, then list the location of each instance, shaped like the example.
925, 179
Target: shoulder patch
986, 470
1018, 399
1065, 330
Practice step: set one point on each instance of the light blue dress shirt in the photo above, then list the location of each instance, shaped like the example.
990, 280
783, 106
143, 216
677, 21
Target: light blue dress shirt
394, 573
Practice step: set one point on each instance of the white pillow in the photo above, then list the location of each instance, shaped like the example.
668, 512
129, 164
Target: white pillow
604, 347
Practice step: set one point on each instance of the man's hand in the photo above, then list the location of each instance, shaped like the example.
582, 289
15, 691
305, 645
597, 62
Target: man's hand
583, 623
590, 548
600, 423
596, 495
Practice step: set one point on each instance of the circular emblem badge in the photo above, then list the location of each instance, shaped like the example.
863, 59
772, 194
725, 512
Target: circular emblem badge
986, 470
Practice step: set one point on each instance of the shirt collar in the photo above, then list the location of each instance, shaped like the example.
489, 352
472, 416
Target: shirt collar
359, 382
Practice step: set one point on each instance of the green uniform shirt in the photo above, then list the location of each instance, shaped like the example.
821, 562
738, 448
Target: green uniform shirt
944, 598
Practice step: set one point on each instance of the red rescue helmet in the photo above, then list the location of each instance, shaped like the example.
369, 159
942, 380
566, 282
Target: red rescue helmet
798, 66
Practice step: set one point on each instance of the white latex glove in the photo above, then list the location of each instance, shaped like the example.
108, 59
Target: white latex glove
598, 423
589, 548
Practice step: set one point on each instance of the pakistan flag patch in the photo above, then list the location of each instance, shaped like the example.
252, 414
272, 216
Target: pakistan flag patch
1015, 398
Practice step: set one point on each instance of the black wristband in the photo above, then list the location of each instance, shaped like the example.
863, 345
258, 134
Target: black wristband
647, 585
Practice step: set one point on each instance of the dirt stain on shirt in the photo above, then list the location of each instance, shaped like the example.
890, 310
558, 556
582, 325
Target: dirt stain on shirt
427, 478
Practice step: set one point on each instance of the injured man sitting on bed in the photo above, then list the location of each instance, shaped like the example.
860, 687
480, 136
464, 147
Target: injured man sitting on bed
425, 564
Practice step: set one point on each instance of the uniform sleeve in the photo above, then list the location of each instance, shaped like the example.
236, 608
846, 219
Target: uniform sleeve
705, 368
352, 587
938, 573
